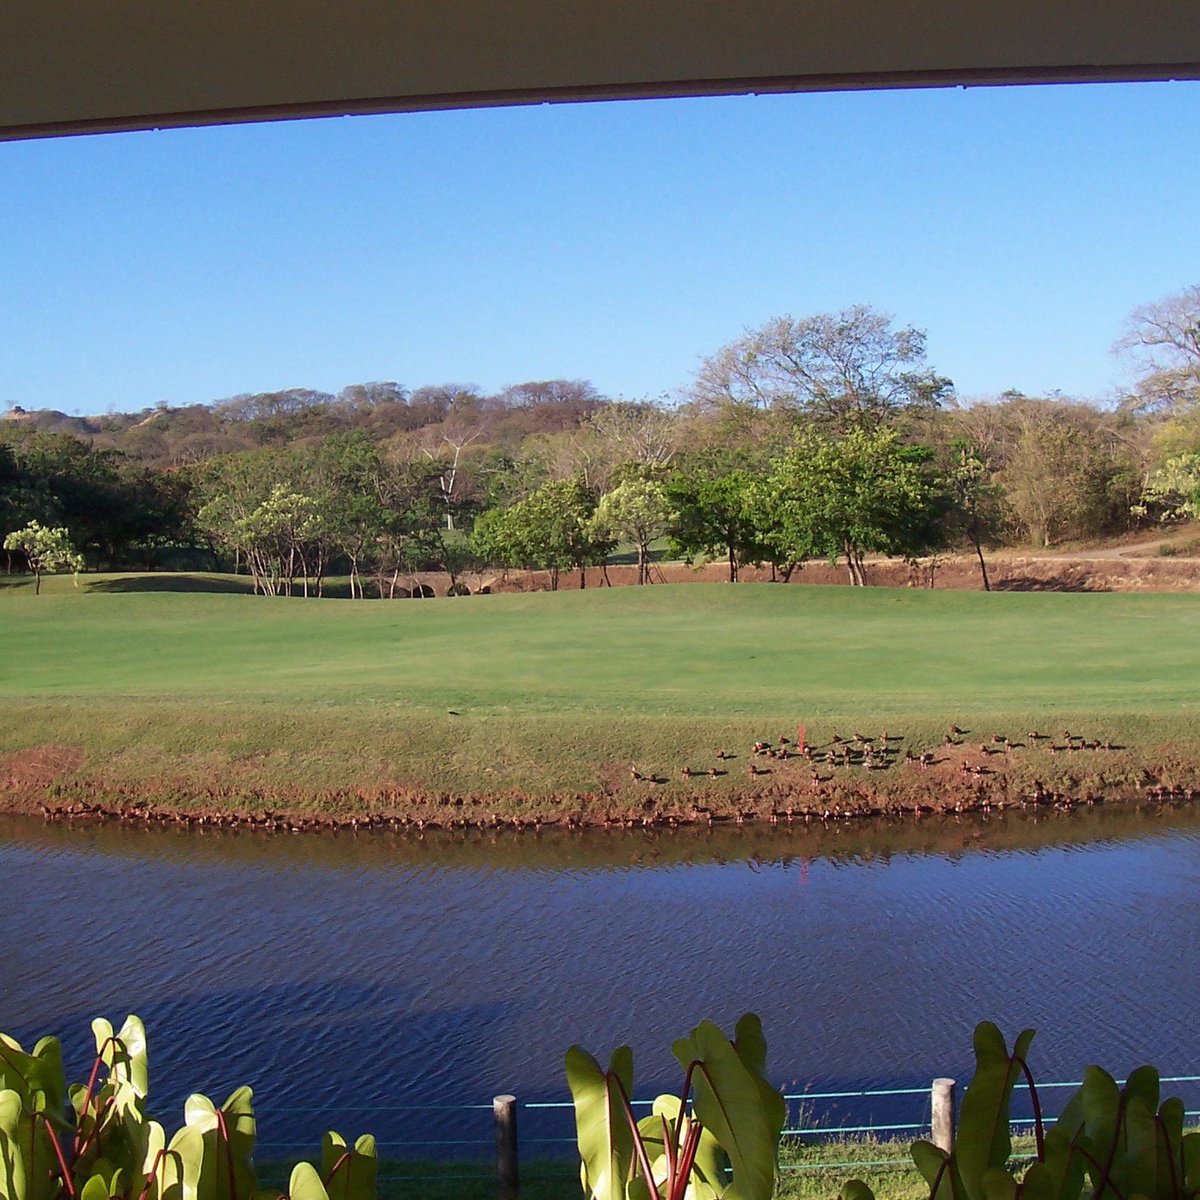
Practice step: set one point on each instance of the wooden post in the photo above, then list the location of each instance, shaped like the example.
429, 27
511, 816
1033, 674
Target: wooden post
504, 1110
943, 1114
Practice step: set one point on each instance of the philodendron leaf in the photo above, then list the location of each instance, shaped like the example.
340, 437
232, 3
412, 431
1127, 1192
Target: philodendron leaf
237, 1114
983, 1139
183, 1169
305, 1183
855, 1189
209, 1159
601, 1120
1140, 1166
1142, 1085
1059, 1175
938, 1170
199, 1112
42, 1173
29, 1074
998, 1184
155, 1143
349, 1172
10, 1111
730, 1104
750, 1044
1191, 1161
96, 1188
133, 1066
1100, 1101
104, 1033
12, 1161
52, 1080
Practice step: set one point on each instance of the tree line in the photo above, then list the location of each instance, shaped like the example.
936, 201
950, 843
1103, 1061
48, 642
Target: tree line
824, 437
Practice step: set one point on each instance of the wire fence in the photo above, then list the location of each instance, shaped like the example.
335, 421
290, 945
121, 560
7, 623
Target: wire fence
468, 1135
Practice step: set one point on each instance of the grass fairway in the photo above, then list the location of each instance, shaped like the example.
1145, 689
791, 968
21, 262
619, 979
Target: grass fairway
547, 693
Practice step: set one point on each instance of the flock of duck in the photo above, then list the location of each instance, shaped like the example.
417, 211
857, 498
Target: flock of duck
803, 781
827, 766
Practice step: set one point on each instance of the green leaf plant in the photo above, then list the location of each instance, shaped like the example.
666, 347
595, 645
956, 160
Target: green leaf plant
1109, 1143
96, 1141
731, 1127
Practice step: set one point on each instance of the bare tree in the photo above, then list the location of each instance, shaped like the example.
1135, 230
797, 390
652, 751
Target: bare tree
1162, 340
640, 432
843, 369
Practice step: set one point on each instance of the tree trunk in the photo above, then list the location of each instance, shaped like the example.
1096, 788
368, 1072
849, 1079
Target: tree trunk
733, 565
987, 587
642, 573
37, 582
582, 577
848, 551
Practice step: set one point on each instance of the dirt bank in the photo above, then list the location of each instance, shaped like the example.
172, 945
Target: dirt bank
848, 782
1006, 572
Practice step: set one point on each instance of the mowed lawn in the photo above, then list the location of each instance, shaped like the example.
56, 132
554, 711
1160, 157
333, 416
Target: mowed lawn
449, 687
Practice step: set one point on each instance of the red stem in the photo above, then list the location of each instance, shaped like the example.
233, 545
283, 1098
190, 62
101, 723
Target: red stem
1105, 1180
672, 1151
337, 1166
158, 1160
638, 1145
1160, 1128
68, 1182
1106, 1175
687, 1160
1039, 1131
683, 1096
90, 1094
223, 1136
98, 1117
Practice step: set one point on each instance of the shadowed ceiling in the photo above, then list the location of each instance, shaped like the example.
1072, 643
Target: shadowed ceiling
70, 66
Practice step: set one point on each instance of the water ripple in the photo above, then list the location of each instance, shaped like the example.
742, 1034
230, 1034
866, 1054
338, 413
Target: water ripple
367, 975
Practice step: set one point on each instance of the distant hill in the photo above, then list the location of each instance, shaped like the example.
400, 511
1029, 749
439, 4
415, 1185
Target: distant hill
52, 421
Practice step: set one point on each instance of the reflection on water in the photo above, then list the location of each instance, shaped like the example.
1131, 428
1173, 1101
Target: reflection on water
370, 971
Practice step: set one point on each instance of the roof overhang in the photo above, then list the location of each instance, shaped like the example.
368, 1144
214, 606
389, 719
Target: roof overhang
76, 66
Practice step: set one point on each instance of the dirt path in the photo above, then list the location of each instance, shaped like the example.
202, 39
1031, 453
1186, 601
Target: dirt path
1131, 550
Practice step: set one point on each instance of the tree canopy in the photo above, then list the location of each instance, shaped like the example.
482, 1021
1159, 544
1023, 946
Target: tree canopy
845, 369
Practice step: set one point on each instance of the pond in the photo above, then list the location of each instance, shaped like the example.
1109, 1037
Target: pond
383, 982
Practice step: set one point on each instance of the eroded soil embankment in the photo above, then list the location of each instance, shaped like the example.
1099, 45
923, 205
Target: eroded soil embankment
956, 779
1007, 572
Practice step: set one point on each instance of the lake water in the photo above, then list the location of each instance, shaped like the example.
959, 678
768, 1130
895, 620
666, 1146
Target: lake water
382, 983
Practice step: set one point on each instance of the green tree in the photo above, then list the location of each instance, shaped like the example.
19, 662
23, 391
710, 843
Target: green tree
862, 493
714, 514
637, 510
552, 529
976, 511
274, 537
352, 490
46, 550
1173, 491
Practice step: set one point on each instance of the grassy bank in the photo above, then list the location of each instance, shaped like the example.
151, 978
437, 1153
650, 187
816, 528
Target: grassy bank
808, 1172
533, 702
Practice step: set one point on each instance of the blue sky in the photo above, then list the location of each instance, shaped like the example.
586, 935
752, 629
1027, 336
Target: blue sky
615, 242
